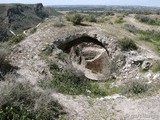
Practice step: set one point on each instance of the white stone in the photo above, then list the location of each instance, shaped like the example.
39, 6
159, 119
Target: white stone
156, 76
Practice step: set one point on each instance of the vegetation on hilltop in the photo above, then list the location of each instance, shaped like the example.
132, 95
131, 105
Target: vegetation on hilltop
148, 20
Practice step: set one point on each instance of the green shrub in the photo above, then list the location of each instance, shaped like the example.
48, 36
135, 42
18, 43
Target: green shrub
90, 18
68, 17
67, 82
135, 87
5, 66
127, 44
152, 37
48, 49
62, 56
130, 28
101, 19
156, 66
76, 19
149, 35
147, 20
119, 20
16, 39
19, 101
109, 13
53, 66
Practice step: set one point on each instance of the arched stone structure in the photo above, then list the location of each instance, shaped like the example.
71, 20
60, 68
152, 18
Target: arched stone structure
87, 39
88, 53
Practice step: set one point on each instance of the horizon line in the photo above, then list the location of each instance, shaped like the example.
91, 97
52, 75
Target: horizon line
82, 4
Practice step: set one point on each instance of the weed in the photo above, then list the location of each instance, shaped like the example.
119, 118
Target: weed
119, 20
156, 66
148, 20
130, 28
62, 56
76, 19
151, 37
20, 102
90, 102
16, 39
5, 65
127, 44
48, 49
90, 18
135, 87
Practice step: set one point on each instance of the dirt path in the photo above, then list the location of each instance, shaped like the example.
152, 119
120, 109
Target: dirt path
111, 108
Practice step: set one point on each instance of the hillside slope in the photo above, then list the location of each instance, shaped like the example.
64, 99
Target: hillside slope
32, 67
19, 17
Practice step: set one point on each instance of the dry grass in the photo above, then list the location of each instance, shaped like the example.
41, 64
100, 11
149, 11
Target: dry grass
20, 101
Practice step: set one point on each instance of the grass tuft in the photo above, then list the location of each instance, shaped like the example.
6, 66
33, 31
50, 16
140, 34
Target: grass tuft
127, 44
19, 101
75, 83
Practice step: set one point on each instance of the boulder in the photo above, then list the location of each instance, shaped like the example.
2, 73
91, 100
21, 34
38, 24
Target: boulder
146, 65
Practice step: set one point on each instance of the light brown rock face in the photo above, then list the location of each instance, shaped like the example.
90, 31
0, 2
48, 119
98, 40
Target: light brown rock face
95, 65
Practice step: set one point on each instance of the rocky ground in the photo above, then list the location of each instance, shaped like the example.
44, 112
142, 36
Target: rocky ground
26, 55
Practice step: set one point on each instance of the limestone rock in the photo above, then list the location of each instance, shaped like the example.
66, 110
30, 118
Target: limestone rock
146, 65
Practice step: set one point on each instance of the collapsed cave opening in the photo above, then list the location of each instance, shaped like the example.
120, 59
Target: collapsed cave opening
88, 55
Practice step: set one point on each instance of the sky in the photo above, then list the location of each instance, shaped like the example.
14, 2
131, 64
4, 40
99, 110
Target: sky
88, 2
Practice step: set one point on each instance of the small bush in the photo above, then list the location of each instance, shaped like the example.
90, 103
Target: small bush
119, 20
109, 13
48, 49
151, 36
19, 101
147, 20
101, 19
53, 66
90, 18
16, 39
68, 17
130, 28
156, 66
127, 44
76, 19
5, 66
67, 82
62, 56
135, 87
